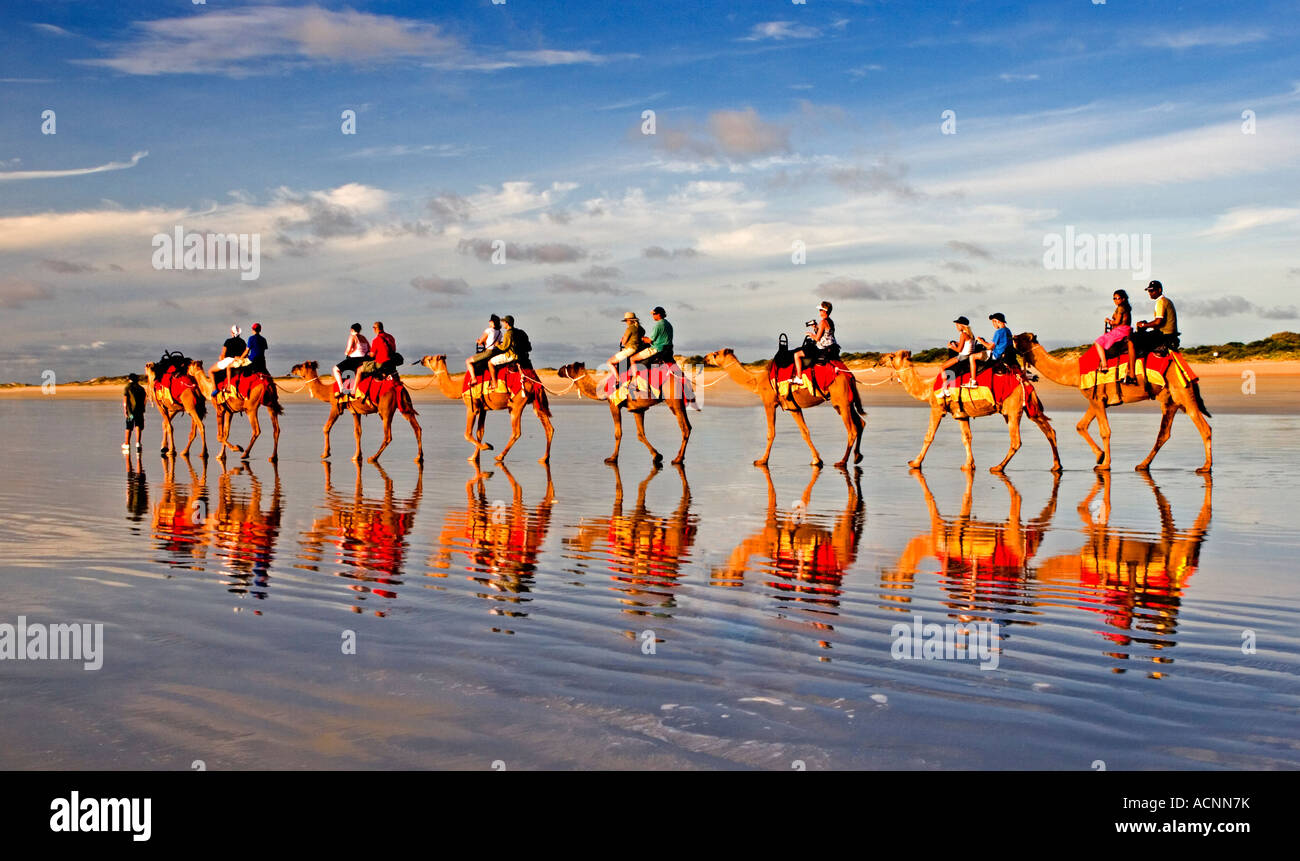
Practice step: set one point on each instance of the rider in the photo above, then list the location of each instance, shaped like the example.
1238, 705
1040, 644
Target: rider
488, 343
357, 349
961, 347
234, 348
992, 352
1119, 328
633, 336
383, 347
660, 348
505, 351
257, 351
820, 340
1160, 332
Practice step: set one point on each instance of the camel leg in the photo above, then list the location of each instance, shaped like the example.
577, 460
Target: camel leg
1194, 413
168, 444
936, 416
850, 431
470, 415
1167, 413
1082, 428
797, 415
227, 418
356, 432
385, 416
859, 428
549, 428
770, 406
480, 426
683, 421
419, 437
1013, 432
335, 414
275, 438
1050, 432
1103, 428
655, 457
617, 415
255, 428
969, 465
516, 426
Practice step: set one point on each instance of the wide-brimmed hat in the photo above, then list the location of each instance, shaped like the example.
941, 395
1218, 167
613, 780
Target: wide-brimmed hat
630, 315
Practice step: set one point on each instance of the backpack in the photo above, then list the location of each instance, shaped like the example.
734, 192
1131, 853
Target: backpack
519, 342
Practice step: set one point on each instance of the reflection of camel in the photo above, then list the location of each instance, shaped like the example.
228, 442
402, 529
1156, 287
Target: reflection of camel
1134, 581
809, 558
1172, 397
500, 541
180, 515
643, 551
192, 404
843, 396
1011, 409
367, 536
262, 392
476, 409
585, 380
391, 401
242, 535
981, 562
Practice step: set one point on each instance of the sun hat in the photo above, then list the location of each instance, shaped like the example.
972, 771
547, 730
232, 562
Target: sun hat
630, 315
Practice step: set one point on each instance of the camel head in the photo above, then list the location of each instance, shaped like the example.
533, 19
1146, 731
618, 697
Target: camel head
195, 369
306, 370
433, 362
572, 371
894, 360
148, 371
1024, 343
717, 357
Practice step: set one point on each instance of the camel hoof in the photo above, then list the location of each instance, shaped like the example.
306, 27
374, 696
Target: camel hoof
1056, 467
657, 460
914, 464
857, 458
420, 459
374, 458
500, 457
1142, 467
678, 461
996, 470
1101, 467
840, 464
273, 459
544, 460
612, 459
1204, 470
968, 467
245, 456
814, 463
761, 462
236, 448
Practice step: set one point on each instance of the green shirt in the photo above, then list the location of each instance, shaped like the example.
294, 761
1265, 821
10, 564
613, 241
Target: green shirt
1165, 311
134, 395
661, 336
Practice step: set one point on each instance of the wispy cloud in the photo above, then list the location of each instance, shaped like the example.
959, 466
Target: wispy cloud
6, 176
1011, 77
1204, 37
780, 30
1248, 218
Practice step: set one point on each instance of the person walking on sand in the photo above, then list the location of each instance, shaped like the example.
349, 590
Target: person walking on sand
133, 399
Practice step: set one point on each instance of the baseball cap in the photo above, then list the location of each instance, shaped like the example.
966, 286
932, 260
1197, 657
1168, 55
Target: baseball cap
962, 319
997, 315
659, 309
1155, 285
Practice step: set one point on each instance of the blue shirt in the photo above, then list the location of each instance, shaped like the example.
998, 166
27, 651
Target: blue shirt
1001, 342
256, 347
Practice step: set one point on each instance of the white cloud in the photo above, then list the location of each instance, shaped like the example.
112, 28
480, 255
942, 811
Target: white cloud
1248, 218
6, 176
1011, 77
1208, 36
781, 30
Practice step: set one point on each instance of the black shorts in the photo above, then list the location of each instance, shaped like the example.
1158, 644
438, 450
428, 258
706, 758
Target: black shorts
351, 363
135, 422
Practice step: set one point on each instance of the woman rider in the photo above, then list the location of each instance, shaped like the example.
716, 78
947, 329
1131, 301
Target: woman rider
1120, 328
963, 346
818, 342
357, 350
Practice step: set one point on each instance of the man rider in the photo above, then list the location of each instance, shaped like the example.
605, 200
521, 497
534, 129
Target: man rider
1160, 332
234, 348
992, 352
257, 351
383, 347
661, 340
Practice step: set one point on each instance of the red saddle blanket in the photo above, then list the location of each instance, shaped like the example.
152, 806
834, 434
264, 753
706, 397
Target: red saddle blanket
510, 378
1151, 361
244, 383
173, 384
823, 375
992, 385
372, 388
642, 383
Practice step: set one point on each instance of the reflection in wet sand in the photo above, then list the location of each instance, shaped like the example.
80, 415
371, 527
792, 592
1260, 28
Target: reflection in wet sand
1134, 581
242, 535
809, 559
137, 490
179, 516
367, 535
500, 541
643, 551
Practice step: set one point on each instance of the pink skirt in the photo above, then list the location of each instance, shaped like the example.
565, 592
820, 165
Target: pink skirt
1114, 336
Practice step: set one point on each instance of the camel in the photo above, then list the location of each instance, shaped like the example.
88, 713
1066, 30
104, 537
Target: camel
476, 409
585, 380
192, 404
500, 542
1134, 580
261, 393
843, 396
391, 402
1010, 409
1172, 397
643, 551
808, 560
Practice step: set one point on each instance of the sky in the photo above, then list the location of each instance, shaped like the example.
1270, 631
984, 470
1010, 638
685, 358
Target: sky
910, 162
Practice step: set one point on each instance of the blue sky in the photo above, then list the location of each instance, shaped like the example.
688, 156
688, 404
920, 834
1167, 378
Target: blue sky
521, 122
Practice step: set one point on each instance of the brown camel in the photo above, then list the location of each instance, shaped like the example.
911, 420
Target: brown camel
585, 380
263, 391
192, 404
392, 401
843, 396
476, 409
1172, 397
1010, 409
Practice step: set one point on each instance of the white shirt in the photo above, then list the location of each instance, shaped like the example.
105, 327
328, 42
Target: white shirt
491, 337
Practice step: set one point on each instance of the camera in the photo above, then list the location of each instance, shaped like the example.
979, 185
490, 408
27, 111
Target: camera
810, 322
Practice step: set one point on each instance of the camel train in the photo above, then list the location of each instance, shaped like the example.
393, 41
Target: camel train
178, 385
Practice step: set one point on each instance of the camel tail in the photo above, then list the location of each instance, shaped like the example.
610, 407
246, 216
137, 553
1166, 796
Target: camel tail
1200, 403
540, 402
404, 405
272, 400
857, 397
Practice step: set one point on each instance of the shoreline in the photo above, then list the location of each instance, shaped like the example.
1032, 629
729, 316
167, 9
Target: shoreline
1276, 386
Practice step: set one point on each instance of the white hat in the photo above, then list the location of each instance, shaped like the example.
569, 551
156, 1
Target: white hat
235, 330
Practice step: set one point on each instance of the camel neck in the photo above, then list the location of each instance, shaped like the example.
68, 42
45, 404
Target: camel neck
1064, 372
912, 382
740, 374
